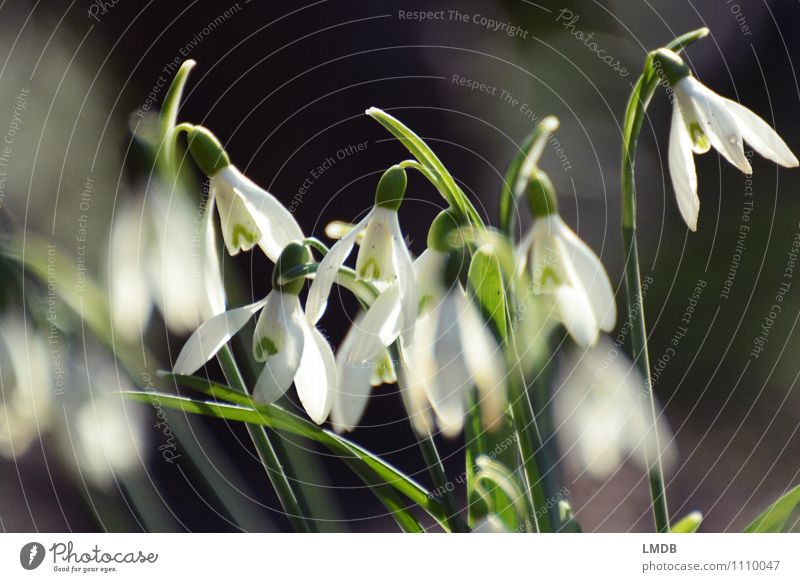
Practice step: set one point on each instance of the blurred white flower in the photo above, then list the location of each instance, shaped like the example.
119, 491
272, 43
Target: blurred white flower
26, 386
564, 269
104, 436
602, 413
702, 119
162, 253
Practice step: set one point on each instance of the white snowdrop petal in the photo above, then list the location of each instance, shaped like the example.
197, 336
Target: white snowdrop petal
130, 298
210, 271
406, 278
315, 379
211, 336
375, 261
447, 392
353, 387
484, 360
592, 276
576, 315
276, 224
280, 367
761, 136
682, 170
380, 326
326, 272
239, 229
428, 272
718, 124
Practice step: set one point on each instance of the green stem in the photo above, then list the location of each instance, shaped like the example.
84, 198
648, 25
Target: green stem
528, 444
266, 451
634, 118
546, 456
433, 461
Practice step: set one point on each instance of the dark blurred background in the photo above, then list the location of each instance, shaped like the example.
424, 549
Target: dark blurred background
285, 86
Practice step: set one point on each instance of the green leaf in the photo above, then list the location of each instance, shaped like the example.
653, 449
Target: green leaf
372, 470
782, 516
688, 524
437, 173
486, 280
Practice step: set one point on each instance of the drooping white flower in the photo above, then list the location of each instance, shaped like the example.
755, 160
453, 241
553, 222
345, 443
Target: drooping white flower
249, 215
383, 260
564, 269
702, 119
26, 386
452, 350
291, 347
603, 415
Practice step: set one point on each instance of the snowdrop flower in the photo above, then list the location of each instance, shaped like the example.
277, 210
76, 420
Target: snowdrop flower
453, 348
702, 119
154, 261
603, 415
564, 269
383, 260
291, 347
249, 215
26, 386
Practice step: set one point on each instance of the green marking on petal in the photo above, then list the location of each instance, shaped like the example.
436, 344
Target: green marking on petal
384, 371
370, 270
239, 233
550, 278
700, 142
265, 348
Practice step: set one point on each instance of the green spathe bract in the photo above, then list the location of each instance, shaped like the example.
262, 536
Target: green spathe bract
293, 256
541, 195
391, 188
207, 150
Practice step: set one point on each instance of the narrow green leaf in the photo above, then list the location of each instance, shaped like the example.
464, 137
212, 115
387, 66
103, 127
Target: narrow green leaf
443, 180
782, 516
373, 470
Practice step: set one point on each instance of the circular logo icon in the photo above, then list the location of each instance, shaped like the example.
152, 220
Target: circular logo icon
31, 555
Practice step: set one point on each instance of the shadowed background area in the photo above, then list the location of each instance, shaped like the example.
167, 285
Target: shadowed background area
285, 87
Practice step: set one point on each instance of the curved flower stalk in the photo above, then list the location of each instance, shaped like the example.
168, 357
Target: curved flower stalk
151, 238
564, 269
249, 215
26, 386
601, 416
292, 348
702, 119
384, 261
